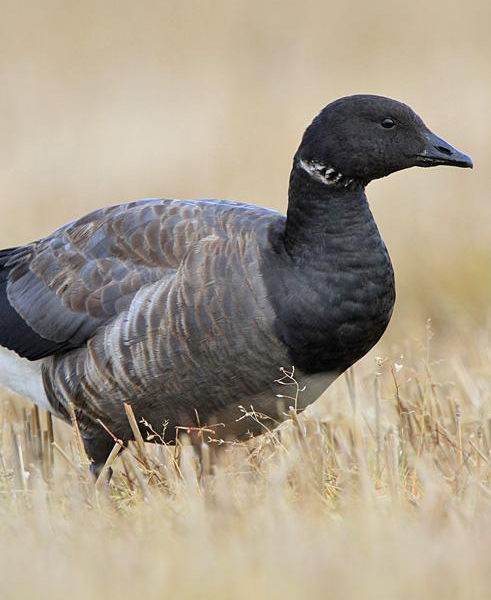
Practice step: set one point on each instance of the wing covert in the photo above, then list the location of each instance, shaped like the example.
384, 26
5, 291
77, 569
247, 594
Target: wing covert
55, 292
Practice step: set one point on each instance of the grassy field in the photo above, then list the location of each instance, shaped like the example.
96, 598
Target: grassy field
383, 489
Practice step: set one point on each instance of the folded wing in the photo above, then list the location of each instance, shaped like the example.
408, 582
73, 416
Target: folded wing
55, 292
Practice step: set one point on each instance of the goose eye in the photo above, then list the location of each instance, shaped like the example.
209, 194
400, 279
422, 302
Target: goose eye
388, 123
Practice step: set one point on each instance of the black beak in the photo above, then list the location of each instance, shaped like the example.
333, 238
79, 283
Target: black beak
439, 152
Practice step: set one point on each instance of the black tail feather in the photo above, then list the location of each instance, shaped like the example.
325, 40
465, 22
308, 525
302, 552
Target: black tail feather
15, 333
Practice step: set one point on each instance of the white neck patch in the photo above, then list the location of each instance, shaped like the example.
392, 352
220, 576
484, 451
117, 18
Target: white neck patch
325, 174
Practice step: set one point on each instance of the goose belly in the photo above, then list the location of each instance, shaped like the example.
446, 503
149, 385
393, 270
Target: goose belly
267, 409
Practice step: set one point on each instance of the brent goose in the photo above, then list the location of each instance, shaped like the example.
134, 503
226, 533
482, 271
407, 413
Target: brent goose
187, 309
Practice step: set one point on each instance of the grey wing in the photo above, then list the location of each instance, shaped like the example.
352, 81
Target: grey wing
56, 292
191, 340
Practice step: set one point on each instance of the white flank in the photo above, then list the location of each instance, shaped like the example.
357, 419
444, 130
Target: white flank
23, 377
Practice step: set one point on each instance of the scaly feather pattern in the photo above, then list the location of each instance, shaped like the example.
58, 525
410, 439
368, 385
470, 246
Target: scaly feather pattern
188, 309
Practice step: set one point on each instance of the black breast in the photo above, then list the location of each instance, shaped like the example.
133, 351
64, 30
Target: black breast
333, 296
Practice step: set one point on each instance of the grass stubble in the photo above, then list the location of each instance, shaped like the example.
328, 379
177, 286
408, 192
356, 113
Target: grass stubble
382, 489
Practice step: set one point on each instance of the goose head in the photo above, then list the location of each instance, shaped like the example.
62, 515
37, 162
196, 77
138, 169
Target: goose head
366, 137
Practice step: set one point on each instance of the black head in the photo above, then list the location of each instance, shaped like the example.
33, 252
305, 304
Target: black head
366, 137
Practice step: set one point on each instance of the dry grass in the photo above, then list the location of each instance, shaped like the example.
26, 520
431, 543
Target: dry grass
383, 490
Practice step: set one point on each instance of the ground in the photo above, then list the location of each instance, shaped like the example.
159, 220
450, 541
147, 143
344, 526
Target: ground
382, 491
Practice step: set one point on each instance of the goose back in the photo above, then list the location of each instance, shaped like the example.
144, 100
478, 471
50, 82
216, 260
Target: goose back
187, 310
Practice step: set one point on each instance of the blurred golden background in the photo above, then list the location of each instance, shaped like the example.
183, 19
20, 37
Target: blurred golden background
388, 494
109, 101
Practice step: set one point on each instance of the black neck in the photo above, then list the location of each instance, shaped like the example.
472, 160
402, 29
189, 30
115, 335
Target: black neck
335, 300
320, 214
